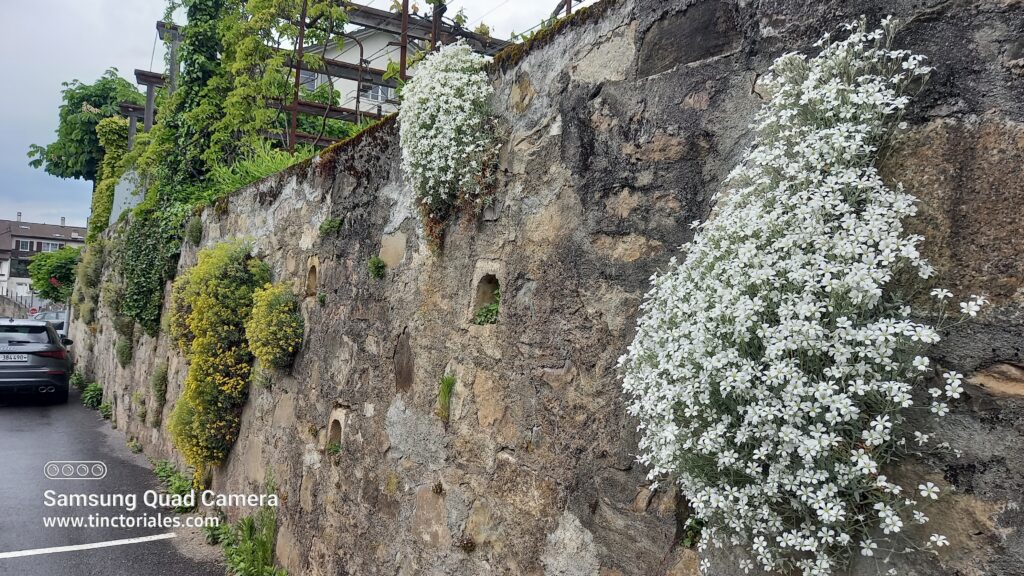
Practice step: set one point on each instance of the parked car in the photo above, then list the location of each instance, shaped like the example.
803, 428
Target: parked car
57, 318
33, 360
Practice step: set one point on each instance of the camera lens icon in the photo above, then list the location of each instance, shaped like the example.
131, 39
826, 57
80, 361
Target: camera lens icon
75, 470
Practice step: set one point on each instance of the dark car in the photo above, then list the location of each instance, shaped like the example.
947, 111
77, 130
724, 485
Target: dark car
33, 360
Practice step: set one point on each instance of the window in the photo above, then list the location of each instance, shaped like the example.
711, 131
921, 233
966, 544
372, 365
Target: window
24, 245
52, 246
380, 94
19, 269
309, 80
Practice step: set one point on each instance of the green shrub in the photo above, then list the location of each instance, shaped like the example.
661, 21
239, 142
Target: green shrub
106, 410
275, 327
262, 161
321, 299
249, 545
444, 397
210, 306
488, 314
159, 385
123, 351
77, 380
377, 267
173, 481
134, 446
92, 396
194, 230
334, 448
331, 226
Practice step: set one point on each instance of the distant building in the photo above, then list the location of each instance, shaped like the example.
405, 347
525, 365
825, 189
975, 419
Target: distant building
376, 49
20, 241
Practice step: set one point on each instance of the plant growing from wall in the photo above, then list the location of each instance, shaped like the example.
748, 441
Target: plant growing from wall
174, 481
275, 327
773, 367
377, 267
446, 133
88, 276
92, 395
444, 397
112, 134
249, 545
210, 306
194, 230
123, 352
488, 313
159, 385
331, 226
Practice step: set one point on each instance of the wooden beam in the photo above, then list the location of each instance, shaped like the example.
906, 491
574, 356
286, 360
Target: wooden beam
147, 78
318, 109
420, 27
303, 137
337, 69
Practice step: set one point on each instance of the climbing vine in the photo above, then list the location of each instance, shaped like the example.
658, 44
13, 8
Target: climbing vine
774, 365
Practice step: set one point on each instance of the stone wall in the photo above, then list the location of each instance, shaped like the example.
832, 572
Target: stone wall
620, 128
10, 308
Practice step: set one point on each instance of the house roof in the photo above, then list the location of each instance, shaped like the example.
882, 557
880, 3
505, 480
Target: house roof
13, 228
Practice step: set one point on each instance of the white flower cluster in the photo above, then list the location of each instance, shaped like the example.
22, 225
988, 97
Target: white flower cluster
445, 127
772, 368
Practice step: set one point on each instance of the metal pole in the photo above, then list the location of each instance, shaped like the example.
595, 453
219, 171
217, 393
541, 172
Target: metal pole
404, 57
300, 52
568, 7
150, 106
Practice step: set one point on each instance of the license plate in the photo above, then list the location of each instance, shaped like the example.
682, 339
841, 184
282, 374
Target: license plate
13, 357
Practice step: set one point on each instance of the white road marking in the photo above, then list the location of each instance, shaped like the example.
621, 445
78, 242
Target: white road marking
38, 551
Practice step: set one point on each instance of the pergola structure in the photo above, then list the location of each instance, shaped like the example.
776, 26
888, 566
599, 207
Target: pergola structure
411, 28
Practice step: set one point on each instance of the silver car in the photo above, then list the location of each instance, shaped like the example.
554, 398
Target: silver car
33, 360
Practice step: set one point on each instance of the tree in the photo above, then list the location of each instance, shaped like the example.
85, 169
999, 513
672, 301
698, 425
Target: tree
53, 273
77, 152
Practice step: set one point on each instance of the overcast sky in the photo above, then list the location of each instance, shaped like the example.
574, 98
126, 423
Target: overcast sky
46, 42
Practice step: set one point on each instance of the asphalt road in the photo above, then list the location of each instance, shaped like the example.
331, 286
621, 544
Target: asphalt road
32, 435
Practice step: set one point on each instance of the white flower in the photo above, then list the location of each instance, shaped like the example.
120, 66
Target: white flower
971, 308
921, 363
772, 364
929, 490
942, 294
939, 540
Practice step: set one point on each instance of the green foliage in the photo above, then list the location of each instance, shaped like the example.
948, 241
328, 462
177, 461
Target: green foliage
53, 273
210, 306
112, 133
321, 299
194, 230
158, 383
77, 152
92, 395
260, 160
77, 380
88, 275
249, 545
334, 448
173, 481
691, 532
217, 533
444, 397
377, 267
275, 327
134, 446
106, 410
488, 313
331, 226
123, 351
147, 258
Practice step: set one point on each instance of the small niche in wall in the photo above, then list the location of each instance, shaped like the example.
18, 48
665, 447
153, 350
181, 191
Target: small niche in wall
404, 367
334, 433
311, 280
486, 300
